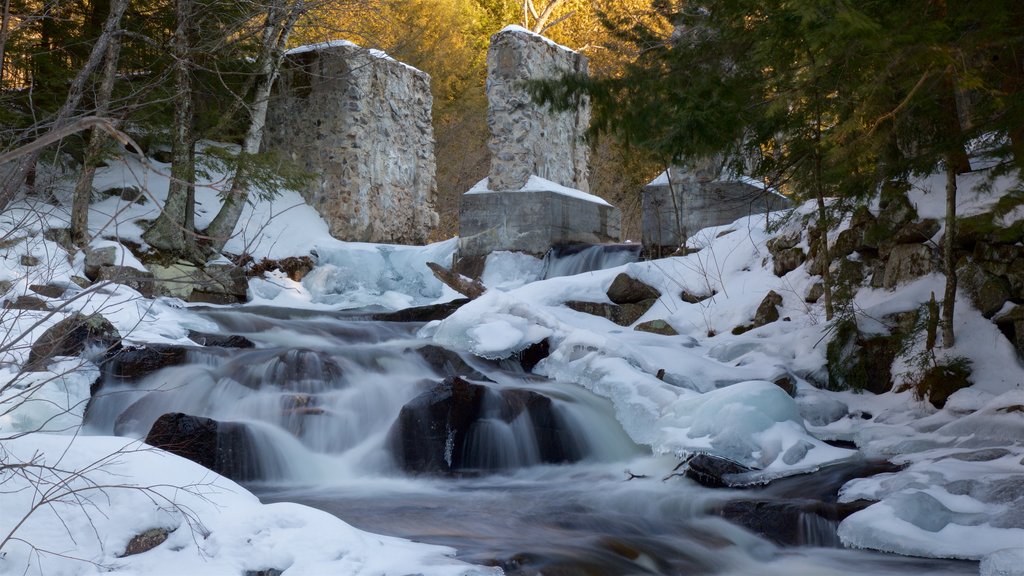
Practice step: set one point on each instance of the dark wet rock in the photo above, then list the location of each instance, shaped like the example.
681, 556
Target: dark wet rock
714, 471
264, 572
444, 430
71, 337
623, 315
220, 340
48, 290
628, 290
657, 327
447, 363
788, 384
533, 354
422, 313
301, 370
224, 447
133, 363
26, 302
146, 541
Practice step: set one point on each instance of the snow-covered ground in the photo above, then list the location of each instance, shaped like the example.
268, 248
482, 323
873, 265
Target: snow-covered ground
961, 494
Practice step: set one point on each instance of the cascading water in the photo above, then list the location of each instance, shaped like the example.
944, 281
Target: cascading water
579, 258
364, 420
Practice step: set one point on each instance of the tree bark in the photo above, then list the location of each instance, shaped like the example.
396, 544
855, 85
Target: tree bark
26, 163
948, 261
83, 188
171, 232
280, 22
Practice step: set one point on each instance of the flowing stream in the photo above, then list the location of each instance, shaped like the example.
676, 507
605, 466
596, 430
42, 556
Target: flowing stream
542, 480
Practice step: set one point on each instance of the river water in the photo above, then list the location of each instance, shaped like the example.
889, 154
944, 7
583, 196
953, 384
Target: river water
320, 395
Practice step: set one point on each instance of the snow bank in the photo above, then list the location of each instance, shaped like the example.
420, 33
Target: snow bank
102, 491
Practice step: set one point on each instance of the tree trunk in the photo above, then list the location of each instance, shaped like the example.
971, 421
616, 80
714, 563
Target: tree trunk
948, 261
5, 26
171, 232
83, 188
27, 163
279, 25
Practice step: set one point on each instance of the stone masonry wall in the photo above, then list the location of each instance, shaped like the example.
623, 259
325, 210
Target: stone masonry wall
527, 138
360, 124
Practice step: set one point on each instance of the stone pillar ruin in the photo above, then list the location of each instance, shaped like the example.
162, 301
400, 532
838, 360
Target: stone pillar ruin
535, 196
528, 139
359, 122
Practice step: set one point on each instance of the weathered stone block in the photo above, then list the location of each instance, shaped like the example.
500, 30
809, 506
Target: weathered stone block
696, 199
360, 123
531, 222
529, 139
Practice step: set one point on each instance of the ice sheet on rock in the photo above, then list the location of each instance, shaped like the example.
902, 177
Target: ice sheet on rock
354, 275
496, 325
217, 527
508, 270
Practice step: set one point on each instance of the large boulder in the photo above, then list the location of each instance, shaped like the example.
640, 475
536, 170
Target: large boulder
907, 262
623, 315
224, 447
71, 337
452, 428
628, 290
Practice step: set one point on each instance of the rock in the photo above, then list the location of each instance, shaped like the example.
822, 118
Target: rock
786, 261
98, 258
29, 260
767, 312
71, 337
27, 303
146, 541
916, 232
426, 313
814, 293
788, 384
48, 290
858, 362
296, 267
264, 572
907, 262
138, 280
533, 354
657, 327
628, 290
447, 363
694, 298
133, 363
214, 284
220, 340
987, 292
61, 237
847, 243
624, 315
1011, 324
714, 471
129, 193
940, 381
783, 241
224, 447
443, 430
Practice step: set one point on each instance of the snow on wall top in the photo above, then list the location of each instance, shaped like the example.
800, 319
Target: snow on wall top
538, 184
520, 30
318, 46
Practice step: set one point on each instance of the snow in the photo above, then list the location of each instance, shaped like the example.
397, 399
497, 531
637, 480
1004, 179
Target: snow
520, 30
538, 184
100, 491
379, 54
1006, 562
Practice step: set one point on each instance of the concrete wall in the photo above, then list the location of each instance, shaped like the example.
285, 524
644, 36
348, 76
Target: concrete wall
531, 222
360, 123
528, 139
699, 202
